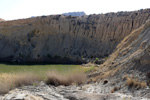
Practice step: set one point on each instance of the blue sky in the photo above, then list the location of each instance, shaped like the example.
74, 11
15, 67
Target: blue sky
16, 9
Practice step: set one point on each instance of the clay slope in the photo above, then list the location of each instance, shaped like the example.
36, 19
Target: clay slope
65, 39
130, 59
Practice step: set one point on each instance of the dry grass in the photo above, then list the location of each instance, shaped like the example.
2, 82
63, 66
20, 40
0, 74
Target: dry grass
5, 86
55, 78
10, 81
135, 83
13, 76
26, 79
107, 74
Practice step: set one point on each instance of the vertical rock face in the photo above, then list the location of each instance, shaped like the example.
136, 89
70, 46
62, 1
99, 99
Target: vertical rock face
66, 39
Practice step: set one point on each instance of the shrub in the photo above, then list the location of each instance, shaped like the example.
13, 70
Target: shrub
135, 83
56, 79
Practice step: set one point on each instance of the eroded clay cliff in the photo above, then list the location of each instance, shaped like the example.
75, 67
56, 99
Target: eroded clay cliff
66, 39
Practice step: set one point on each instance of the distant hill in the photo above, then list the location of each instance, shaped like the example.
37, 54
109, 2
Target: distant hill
75, 13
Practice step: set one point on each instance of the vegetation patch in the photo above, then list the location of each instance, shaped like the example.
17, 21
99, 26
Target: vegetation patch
10, 81
12, 76
55, 78
131, 82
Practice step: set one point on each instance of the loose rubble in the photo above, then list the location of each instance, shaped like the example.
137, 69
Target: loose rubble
84, 92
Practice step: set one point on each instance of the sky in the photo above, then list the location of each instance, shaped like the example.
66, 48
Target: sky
18, 9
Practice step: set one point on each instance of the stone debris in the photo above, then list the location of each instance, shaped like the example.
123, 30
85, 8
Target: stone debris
45, 92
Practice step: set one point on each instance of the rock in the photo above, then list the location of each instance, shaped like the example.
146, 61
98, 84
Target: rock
44, 92
66, 39
21, 96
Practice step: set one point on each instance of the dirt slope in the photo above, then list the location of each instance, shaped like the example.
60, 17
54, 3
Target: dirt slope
133, 52
128, 67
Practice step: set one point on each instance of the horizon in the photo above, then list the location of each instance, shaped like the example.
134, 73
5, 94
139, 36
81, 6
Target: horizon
20, 9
